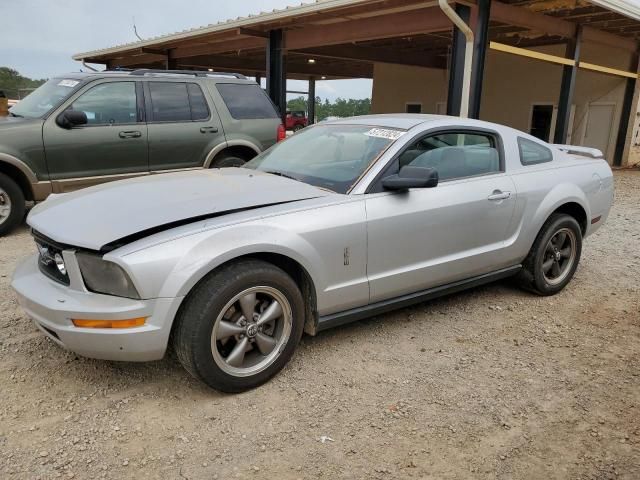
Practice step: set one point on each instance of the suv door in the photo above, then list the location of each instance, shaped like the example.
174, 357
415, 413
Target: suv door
111, 145
183, 129
433, 236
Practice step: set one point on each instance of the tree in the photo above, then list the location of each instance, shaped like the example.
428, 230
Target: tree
340, 108
15, 85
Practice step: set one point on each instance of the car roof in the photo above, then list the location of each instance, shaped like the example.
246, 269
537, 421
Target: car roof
404, 121
407, 121
144, 73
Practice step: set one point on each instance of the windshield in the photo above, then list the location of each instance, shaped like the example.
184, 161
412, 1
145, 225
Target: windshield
43, 99
327, 156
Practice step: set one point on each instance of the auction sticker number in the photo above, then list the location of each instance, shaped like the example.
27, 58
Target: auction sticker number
384, 133
68, 83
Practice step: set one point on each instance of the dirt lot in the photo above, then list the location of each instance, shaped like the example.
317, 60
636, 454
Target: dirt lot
491, 383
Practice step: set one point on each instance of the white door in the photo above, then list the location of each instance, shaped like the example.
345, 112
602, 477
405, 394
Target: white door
597, 134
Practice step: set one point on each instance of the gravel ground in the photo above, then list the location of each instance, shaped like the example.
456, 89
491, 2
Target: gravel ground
490, 383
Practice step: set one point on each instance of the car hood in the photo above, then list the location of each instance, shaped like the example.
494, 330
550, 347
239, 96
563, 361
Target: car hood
100, 215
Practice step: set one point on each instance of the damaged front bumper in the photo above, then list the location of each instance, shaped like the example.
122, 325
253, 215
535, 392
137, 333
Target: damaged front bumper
53, 306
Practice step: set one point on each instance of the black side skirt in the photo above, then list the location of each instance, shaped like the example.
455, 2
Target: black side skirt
340, 318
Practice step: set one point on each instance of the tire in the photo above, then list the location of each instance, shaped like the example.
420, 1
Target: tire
224, 161
297, 128
12, 204
211, 326
554, 256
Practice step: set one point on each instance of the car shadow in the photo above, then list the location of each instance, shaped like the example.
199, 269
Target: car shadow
166, 377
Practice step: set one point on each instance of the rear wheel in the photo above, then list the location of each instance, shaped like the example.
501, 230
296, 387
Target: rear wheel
554, 257
12, 204
228, 160
298, 127
240, 326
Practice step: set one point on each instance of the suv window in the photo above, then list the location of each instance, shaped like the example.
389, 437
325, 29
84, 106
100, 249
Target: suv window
454, 154
532, 153
199, 108
246, 101
109, 103
169, 102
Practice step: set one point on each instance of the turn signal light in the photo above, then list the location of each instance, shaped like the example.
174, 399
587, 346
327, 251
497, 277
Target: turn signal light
129, 323
282, 133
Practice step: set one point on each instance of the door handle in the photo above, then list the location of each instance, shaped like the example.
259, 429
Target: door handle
208, 129
130, 134
498, 195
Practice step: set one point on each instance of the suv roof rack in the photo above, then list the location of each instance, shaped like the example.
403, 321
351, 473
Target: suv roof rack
195, 73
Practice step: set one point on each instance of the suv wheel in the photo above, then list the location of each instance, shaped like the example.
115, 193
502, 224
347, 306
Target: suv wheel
554, 257
12, 205
240, 326
297, 128
228, 160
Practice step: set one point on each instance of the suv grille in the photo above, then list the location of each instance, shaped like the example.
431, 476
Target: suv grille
46, 262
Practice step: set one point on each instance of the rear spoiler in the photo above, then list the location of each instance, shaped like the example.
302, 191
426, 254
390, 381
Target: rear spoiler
582, 151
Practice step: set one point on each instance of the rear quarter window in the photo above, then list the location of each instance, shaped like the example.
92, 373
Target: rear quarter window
532, 153
246, 101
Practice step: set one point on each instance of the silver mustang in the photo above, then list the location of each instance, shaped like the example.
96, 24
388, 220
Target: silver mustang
343, 220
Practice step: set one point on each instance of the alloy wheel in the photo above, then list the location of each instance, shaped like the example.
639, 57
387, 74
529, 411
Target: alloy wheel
5, 206
559, 256
251, 331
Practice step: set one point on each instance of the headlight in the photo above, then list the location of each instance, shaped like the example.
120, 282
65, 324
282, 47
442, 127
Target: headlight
105, 277
57, 258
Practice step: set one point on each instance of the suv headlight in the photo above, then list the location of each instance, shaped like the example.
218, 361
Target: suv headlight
101, 276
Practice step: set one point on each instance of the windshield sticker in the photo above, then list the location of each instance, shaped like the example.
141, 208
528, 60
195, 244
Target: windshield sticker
384, 133
68, 83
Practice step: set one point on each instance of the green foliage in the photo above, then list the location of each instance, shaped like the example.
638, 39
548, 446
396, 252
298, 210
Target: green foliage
340, 108
15, 85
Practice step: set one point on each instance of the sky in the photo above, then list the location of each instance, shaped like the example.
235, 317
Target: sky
42, 35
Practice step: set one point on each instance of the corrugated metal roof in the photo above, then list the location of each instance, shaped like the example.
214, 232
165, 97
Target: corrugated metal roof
249, 20
629, 8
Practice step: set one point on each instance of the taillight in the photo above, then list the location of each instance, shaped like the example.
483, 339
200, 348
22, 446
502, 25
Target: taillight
281, 134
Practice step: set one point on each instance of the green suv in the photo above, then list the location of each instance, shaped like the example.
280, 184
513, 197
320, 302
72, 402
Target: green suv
87, 128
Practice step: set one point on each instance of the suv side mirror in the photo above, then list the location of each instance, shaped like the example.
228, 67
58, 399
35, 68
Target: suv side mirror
71, 118
411, 177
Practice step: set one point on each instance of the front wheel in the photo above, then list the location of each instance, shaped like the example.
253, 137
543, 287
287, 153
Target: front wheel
12, 204
554, 257
240, 326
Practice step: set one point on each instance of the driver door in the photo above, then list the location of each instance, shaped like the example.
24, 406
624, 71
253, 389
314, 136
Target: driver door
427, 237
112, 145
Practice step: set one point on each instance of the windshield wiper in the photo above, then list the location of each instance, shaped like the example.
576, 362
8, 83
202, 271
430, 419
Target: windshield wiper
15, 115
280, 174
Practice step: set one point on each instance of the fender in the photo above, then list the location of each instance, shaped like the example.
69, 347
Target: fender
20, 165
215, 251
560, 194
231, 143
180, 272
39, 189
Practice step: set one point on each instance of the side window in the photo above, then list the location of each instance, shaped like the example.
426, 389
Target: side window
454, 154
532, 153
109, 103
170, 102
246, 101
199, 108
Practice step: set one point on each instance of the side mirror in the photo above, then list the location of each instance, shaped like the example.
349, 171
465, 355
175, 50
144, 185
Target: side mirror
71, 118
411, 177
